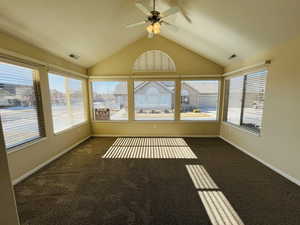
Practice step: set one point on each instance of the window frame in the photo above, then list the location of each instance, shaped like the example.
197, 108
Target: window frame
91, 98
177, 106
155, 80
39, 106
84, 99
226, 95
218, 99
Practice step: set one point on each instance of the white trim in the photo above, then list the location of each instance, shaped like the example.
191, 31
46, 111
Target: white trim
71, 128
204, 75
280, 172
32, 171
156, 76
109, 77
42, 63
264, 63
241, 128
138, 135
26, 145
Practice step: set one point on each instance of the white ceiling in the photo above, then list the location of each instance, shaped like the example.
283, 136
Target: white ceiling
95, 29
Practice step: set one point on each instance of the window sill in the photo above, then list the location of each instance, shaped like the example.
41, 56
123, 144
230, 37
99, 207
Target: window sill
110, 121
242, 129
26, 145
71, 128
156, 121
199, 121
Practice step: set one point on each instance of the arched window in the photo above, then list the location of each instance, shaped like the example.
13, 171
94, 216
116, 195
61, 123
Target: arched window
154, 61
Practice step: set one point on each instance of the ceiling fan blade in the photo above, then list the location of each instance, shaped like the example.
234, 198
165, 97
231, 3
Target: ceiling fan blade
170, 12
143, 7
170, 26
136, 24
183, 12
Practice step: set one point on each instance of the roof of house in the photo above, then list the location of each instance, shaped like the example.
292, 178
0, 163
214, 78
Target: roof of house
205, 87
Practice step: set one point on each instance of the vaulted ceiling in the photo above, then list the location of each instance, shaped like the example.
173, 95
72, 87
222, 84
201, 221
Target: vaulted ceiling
95, 29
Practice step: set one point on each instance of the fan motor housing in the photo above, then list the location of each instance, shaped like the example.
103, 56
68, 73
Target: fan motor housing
155, 17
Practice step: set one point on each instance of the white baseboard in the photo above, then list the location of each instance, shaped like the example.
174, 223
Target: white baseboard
290, 178
114, 135
30, 172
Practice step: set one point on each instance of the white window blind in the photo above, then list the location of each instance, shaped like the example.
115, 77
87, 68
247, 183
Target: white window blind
67, 102
154, 61
245, 100
20, 106
253, 104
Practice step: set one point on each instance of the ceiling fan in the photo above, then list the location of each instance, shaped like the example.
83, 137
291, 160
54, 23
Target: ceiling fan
155, 19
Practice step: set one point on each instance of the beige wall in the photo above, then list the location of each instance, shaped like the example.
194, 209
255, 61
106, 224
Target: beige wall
8, 207
16, 45
187, 63
31, 156
279, 143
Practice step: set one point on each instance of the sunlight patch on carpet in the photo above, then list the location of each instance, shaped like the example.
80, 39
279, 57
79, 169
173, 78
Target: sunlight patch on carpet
150, 148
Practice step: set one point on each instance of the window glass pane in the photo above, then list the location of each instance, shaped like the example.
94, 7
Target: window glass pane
76, 99
235, 95
60, 114
67, 102
154, 100
254, 100
110, 100
199, 100
19, 108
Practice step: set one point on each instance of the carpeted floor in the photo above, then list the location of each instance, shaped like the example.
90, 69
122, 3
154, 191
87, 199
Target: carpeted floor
82, 188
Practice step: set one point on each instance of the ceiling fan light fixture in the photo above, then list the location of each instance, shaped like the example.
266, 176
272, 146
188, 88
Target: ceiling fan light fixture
154, 18
150, 28
154, 28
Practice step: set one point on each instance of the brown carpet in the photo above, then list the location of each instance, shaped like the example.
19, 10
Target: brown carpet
81, 188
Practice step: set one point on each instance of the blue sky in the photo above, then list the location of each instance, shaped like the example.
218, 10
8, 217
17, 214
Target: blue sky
104, 87
56, 82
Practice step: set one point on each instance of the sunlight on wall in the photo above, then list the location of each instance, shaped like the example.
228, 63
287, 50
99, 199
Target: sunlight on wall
150, 148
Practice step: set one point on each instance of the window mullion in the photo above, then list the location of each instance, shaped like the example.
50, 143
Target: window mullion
243, 99
177, 100
38, 99
68, 98
130, 100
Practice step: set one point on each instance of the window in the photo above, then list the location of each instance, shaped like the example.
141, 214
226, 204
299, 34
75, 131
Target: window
67, 102
235, 96
154, 100
110, 100
20, 106
199, 99
154, 61
245, 100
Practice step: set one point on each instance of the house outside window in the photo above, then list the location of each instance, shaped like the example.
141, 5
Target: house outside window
110, 100
20, 105
199, 99
154, 100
